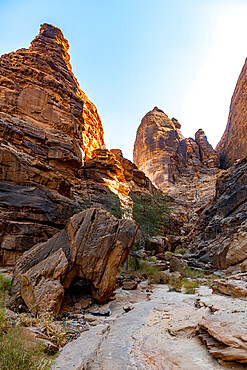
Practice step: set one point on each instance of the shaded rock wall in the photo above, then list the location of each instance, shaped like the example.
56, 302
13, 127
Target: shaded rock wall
233, 144
221, 234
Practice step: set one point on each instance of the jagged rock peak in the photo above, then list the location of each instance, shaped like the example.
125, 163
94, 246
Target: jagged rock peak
233, 144
207, 154
53, 34
51, 40
165, 156
38, 84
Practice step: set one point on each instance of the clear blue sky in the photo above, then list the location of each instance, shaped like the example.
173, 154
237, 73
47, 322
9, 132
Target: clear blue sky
183, 56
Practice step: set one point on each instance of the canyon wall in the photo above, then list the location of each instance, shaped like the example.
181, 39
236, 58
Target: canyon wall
233, 144
52, 158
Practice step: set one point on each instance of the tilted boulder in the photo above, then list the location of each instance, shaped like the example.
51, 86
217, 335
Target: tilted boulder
92, 246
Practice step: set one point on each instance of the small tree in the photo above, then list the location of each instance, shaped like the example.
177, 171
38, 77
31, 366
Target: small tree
150, 212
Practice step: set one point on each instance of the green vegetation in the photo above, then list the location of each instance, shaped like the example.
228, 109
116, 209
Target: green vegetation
151, 259
5, 284
19, 353
17, 350
191, 279
193, 274
210, 280
180, 251
150, 213
138, 267
190, 286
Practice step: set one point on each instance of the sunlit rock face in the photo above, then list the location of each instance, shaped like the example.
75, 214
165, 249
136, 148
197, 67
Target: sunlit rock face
233, 144
165, 156
38, 86
52, 158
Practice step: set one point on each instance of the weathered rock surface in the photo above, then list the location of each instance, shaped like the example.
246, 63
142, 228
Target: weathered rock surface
233, 144
226, 336
165, 156
52, 161
159, 332
92, 246
221, 234
234, 286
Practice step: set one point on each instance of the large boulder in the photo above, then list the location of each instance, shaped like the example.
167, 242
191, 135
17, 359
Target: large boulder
92, 246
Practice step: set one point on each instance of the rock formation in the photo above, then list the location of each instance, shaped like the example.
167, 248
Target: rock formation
225, 336
185, 169
165, 156
221, 234
233, 144
51, 148
92, 246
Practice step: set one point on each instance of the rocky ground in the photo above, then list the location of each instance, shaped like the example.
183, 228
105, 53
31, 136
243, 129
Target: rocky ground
154, 328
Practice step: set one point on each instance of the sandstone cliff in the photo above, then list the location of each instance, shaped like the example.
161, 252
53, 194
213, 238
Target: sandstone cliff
52, 157
165, 156
185, 169
221, 234
233, 144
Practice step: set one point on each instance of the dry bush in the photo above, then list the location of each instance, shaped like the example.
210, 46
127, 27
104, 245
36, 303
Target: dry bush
47, 325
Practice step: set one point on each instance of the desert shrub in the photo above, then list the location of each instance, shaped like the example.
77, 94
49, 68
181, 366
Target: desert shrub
180, 251
193, 274
210, 280
151, 259
133, 263
5, 285
190, 286
47, 325
175, 283
19, 353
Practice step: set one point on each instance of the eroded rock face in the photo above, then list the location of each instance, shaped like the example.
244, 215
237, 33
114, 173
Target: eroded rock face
52, 161
221, 234
38, 84
233, 144
226, 336
234, 286
92, 246
165, 156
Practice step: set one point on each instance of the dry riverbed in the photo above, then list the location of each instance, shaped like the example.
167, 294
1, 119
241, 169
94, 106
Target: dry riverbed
150, 328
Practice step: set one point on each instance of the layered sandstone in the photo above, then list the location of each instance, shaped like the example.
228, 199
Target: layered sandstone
165, 156
233, 144
221, 234
52, 158
37, 85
